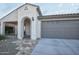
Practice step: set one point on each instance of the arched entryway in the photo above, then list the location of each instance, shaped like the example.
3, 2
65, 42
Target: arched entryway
27, 27
24, 28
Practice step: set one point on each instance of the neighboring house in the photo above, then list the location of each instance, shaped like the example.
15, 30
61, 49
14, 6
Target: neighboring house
27, 20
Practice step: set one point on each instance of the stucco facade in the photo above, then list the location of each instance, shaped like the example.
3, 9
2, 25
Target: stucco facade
27, 19
24, 12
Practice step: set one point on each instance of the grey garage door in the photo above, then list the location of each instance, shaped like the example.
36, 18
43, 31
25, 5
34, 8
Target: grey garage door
60, 29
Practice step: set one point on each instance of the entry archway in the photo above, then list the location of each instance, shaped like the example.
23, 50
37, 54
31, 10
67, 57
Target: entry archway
22, 25
27, 27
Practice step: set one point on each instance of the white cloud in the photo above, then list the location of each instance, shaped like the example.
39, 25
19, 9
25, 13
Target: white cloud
4, 11
72, 4
60, 5
62, 12
44, 11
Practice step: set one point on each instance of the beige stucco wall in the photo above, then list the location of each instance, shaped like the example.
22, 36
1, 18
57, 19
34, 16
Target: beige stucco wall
11, 17
30, 12
20, 13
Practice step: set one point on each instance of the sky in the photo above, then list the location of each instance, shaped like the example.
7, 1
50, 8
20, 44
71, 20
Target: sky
46, 8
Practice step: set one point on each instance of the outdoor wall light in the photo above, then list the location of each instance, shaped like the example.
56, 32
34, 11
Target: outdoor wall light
32, 18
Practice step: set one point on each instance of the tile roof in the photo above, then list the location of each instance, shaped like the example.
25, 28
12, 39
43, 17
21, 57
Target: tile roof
71, 15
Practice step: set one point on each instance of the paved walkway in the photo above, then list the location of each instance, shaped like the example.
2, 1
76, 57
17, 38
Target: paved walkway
57, 47
13, 46
25, 46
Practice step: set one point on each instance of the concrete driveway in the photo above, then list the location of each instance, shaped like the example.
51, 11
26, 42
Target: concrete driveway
57, 47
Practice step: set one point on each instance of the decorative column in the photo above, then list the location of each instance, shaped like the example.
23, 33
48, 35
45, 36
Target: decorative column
15, 30
33, 29
20, 29
2, 28
38, 29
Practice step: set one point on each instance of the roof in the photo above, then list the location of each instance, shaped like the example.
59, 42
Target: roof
38, 9
72, 15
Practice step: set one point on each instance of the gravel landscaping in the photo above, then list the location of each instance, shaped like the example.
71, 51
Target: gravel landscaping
14, 46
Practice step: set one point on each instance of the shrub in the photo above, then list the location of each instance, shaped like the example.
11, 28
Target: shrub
2, 37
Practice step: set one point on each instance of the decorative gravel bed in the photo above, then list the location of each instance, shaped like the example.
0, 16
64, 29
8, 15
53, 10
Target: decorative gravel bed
25, 46
14, 46
7, 47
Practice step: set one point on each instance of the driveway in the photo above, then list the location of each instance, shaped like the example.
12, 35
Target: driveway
57, 47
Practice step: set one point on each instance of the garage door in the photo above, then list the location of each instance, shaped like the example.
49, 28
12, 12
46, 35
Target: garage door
60, 29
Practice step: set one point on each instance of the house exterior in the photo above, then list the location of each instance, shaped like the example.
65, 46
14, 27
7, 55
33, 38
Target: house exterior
27, 20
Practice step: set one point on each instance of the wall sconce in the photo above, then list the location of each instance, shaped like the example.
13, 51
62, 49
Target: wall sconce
32, 18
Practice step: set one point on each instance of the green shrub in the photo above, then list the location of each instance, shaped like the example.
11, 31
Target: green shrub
2, 37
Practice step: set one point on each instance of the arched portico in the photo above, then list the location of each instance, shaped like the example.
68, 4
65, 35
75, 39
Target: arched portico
24, 15
26, 28
25, 21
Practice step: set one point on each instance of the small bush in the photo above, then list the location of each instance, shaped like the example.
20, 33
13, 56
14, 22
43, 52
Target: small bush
2, 37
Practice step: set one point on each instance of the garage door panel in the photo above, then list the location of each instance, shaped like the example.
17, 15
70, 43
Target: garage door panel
60, 29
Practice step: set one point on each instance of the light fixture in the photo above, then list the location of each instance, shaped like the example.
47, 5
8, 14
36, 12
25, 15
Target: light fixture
32, 18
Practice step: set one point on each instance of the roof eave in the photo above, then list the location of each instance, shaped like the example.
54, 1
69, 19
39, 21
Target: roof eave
75, 15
